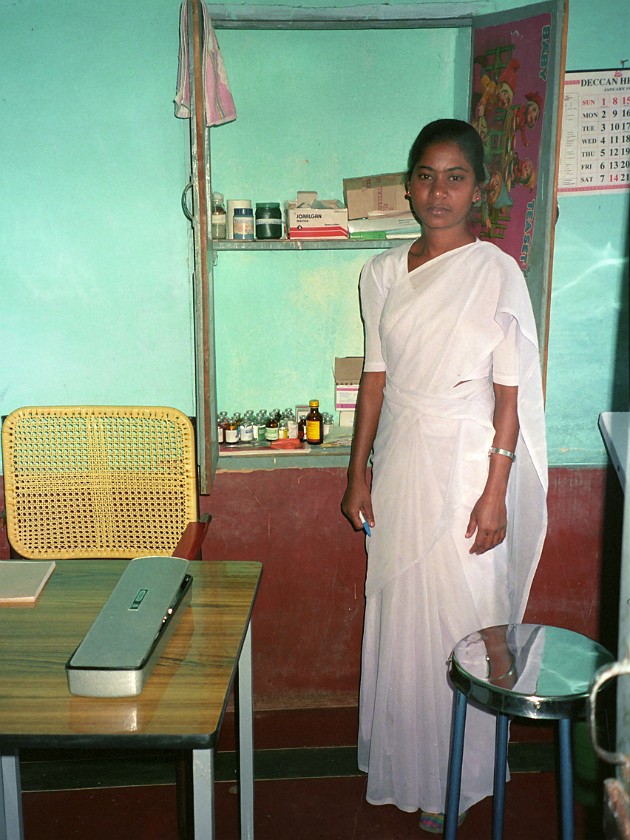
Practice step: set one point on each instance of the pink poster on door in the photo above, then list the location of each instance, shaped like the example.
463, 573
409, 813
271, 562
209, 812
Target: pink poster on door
510, 63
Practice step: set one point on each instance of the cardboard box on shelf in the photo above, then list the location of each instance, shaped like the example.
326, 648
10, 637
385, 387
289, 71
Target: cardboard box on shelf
313, 218
375, 194
348, 371
346, 419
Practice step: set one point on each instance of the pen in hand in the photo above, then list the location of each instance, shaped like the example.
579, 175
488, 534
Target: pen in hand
366, 526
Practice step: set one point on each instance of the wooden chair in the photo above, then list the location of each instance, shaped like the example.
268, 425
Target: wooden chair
101, 481
108, 482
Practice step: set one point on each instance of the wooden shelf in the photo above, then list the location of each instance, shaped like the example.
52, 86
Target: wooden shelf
303, 244
383, 16
269, 459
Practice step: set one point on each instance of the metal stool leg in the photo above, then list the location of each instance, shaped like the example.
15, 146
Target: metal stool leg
455, 766
500, 768
566, 779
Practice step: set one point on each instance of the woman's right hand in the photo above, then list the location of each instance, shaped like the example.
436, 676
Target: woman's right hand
357, 498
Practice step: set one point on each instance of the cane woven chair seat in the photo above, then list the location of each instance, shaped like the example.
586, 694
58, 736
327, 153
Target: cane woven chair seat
98, 481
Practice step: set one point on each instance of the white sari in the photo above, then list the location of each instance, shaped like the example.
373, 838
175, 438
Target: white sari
437, 332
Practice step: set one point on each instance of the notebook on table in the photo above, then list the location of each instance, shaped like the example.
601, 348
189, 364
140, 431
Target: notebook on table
21, 581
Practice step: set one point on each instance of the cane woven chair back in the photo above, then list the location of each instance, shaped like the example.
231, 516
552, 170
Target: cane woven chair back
98, 481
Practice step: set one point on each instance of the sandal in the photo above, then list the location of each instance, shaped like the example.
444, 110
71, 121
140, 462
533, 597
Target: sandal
434, 823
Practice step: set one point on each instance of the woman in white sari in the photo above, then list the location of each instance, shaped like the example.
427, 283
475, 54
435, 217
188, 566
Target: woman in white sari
450, 406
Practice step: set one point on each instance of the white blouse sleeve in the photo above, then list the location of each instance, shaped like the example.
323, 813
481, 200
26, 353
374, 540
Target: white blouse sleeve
373, 297
505, 359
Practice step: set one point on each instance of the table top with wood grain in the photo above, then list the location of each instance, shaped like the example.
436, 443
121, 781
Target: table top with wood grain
183, 702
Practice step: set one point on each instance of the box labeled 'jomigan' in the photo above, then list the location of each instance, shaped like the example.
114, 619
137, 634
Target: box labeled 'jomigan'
313, 218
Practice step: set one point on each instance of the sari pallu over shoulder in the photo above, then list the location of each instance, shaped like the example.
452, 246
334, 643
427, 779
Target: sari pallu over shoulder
430, 453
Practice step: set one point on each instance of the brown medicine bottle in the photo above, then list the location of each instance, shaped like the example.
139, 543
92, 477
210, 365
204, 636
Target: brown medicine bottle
314, 424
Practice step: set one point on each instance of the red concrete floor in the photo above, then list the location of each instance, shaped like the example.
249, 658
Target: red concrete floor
303, 809
299, 808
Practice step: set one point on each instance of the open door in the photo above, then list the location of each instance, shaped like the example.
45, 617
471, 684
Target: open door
199, 216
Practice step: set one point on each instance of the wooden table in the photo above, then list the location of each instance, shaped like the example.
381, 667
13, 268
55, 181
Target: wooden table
181, 706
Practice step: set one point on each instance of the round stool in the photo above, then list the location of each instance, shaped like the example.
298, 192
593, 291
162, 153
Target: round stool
520, 670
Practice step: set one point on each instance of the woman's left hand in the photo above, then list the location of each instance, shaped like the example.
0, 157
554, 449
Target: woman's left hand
488, 521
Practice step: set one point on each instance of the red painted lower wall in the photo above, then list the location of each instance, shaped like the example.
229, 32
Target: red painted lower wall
308, 618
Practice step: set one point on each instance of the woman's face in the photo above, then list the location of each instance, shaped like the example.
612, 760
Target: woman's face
442, 187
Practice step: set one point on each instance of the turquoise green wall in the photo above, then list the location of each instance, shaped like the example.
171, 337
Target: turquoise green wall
588, 337
94, 251
93, 246
313, 108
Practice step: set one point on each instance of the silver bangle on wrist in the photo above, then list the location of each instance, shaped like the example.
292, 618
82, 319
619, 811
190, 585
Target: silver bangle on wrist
494, 450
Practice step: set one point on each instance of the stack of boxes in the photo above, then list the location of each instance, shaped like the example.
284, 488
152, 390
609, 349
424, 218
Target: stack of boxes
347, 376
376, 208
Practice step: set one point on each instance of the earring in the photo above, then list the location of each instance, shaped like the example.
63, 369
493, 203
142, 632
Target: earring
407, 195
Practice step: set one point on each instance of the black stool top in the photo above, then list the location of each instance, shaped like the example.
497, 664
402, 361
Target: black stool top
527, 670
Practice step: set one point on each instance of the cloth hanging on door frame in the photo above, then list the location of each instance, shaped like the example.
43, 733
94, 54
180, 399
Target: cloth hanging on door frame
218, 102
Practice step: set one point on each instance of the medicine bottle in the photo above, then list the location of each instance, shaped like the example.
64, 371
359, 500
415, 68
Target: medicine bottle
314, 424
268, 221
271, 429
283, 429
246, 431
243, 223
261, 424
218, 217
231, 431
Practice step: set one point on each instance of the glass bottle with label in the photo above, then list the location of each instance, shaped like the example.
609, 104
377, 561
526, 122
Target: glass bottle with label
246, 429
283, 429
261, 424
314, 424
218, 218
272, 430
231, 430
221, 424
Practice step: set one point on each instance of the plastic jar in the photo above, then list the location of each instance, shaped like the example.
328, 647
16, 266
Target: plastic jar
232, 204
268, 221
243, 223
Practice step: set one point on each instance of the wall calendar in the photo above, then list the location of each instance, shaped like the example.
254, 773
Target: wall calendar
595, 140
